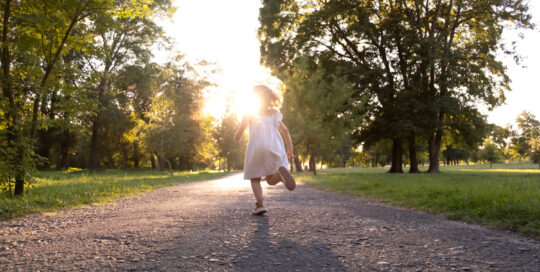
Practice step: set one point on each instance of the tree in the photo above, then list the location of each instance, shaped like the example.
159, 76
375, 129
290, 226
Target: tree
528, 129
35, 36
231, 152
501, 138
314, 110
430, 59
121, 37
490, 153
173, 131
535, 150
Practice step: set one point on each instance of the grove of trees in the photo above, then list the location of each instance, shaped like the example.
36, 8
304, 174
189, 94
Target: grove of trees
409, 74
80, 89
365, 82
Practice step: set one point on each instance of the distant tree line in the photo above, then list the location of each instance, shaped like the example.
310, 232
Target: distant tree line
393, 77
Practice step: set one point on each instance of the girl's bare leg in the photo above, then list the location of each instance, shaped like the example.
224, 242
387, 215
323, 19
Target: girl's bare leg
257, 190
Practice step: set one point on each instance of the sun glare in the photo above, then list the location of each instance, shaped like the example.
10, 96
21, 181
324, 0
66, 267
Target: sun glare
246, 104
242, 102
223, 33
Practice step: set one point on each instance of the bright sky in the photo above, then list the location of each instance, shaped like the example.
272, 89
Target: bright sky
225, 33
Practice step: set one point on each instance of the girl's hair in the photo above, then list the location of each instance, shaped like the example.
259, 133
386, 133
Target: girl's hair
270, 100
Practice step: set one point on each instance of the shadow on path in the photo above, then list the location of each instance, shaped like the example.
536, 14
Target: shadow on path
267, 252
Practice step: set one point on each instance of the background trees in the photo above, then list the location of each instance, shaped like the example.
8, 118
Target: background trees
79, 89
229, 152
423, 65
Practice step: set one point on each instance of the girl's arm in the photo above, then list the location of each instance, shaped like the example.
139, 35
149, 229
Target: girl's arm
287, 137
241, 128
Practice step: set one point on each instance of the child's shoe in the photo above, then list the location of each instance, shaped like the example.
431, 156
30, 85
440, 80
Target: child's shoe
259, 209
273, 179
287, 178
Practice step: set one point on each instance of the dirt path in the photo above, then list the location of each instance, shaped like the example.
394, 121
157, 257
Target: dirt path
207, 226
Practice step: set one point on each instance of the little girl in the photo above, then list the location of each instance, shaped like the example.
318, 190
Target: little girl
265, 155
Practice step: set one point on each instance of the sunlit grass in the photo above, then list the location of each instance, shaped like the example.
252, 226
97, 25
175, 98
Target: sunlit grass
507, 198
53, 190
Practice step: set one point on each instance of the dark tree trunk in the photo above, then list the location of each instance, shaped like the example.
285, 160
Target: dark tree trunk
95, 143
136, 155
153, 161
125, 156
312, 165
43, 136
64, 150
412, 156
14, 129
434, 146
161, 162
397, 157
298, 165
96, 126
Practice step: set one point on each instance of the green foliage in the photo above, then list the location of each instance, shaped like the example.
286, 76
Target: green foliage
173, 129
490, 152
423, 65
502, 198
44, 90
535, 150
232, 153
523, 138
315, 110
76, 188
454, 155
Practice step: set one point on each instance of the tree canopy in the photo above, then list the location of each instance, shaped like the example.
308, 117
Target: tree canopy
423, 64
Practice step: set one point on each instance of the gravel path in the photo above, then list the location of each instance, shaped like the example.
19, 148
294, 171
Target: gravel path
207, 226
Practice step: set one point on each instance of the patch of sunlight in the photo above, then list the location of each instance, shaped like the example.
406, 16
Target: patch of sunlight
235, 181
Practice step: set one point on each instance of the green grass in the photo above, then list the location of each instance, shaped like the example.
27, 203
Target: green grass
506, 198
53, 190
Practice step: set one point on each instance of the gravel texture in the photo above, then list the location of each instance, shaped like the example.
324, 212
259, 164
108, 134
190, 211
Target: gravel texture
207, 226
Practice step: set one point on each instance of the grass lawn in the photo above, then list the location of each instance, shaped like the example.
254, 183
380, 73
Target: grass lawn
507, 198
53, 190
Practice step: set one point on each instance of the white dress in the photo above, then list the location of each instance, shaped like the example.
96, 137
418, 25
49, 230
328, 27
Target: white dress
265, 152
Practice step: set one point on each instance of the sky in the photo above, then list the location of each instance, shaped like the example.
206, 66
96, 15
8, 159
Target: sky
225, 33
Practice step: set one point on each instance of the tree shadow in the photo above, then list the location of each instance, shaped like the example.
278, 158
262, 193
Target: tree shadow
266, 253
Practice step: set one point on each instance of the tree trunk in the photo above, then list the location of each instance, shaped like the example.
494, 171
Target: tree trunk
95, 143
153, 161
136, 155
64, 149
412, 156
96, 126
14, 129
170, 167
298, 165
397, 157
312, 165
125, 156
434, 146
161, 163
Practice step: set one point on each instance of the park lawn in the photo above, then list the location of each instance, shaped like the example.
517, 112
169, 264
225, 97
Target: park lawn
505, 198
53, 190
